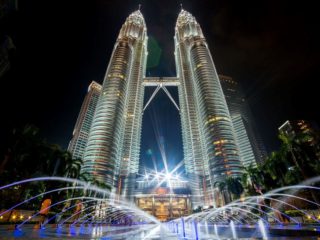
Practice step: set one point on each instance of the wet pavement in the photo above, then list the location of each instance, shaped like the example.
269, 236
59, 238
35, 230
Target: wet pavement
150, 232
134, 232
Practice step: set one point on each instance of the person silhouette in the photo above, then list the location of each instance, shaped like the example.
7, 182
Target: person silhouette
44, 210
77, 210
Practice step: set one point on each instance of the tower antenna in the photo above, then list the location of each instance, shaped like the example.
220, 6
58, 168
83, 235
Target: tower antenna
181, 6
139, 7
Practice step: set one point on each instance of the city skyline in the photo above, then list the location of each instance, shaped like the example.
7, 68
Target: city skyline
159, 119
112, 152
62, 109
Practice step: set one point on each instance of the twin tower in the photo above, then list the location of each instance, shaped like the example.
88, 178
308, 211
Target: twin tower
209, 145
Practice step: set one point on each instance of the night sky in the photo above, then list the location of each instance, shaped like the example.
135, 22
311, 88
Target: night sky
270, 47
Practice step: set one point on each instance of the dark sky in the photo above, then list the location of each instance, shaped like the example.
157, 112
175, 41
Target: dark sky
270, 47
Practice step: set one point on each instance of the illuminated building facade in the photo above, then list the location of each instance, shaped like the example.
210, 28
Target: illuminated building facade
251, 147
163, 198
210, 150
112, 152
82, 128
291, 128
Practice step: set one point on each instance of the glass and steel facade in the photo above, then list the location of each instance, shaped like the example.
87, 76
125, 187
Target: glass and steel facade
251, 148
210, 150
82, 128
209, 145
112, 152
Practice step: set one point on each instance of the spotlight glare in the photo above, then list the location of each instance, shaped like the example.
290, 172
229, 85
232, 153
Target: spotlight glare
168, 176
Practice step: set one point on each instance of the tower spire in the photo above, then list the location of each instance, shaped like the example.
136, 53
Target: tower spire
181, 8
139, 7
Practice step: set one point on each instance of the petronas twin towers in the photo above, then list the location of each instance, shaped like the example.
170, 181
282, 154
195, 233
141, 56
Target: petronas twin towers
113, 147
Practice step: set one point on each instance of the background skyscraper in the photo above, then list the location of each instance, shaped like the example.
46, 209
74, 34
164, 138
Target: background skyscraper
251, 147
82, 128
291, 128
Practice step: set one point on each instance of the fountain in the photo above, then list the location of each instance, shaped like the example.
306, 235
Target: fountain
196, 232
233, 230
261, 216
206, 228
216, 231
262, 229
105, 215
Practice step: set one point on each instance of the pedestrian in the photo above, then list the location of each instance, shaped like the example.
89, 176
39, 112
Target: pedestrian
44, 210
77, 211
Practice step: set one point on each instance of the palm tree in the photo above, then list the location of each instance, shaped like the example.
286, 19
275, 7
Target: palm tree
29, 155
54, 160
307, 152
72, 169
72, 165
275, 167
234, 186
99, 184
24, 148
252, 180
84, 176
296, 147
24, 157
291, 146
222, 187
293, 176
301, 151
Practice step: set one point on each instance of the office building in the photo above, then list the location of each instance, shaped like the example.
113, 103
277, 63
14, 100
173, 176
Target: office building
251, 148
82, 128
209, 144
